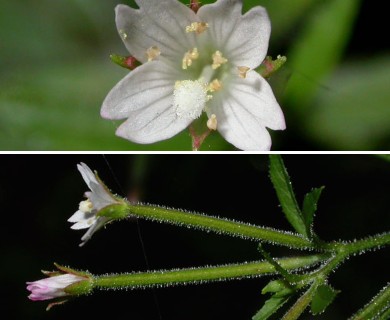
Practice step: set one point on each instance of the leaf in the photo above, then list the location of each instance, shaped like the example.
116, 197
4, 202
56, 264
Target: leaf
310, 206
319, 48
322, 298
285, 193
279, 287
270, 307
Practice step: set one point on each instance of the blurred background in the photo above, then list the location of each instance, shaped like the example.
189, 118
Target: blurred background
56, 71
38, 193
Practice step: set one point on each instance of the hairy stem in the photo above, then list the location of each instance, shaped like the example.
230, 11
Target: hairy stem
201, 275
378, 305
219, 225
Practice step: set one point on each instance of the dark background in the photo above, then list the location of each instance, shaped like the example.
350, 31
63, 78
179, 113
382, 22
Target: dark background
38, 193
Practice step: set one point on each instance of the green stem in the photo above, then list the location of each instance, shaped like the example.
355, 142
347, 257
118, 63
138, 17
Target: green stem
368, 243
201, 275
219, 225
380, 304
299, 307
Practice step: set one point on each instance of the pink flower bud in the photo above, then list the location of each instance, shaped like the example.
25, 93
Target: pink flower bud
52, 287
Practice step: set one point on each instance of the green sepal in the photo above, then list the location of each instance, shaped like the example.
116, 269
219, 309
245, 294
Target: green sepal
128, 62
322, 298
269, 66
63, 269
80, 288
114, 211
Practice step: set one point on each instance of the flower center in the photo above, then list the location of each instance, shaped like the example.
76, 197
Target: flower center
86, 206
189, 98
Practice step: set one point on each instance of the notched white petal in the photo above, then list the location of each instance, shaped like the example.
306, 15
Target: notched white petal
156, 23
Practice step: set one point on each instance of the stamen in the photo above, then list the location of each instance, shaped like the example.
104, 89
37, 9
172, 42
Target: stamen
197, 27
212, 122
215, 85
86, 206
189, 56
152, 53
218, 60
242, 71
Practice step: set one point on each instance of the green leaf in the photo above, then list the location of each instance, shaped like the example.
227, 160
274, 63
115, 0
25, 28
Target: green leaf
310, 206
319, 48
279, 287
322, 298
285, 193
270, 307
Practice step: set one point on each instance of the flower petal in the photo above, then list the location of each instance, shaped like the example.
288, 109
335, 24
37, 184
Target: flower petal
142, 87
84, 224
256, 96
77, 216
100, 222
243, 39
145, 97
245, 110
157, 23
155, 122
98, 190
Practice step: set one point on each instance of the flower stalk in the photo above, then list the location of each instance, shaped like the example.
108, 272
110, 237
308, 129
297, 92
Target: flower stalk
201, 275
219, 225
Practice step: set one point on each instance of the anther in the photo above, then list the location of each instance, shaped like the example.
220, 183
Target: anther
242, 71
152, 53
218, 60
212, 122
189, 56
215, 85
197, 27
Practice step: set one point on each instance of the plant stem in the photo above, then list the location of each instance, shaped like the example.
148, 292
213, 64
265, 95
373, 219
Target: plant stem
201, 275
299, 307
376, 306
219, 225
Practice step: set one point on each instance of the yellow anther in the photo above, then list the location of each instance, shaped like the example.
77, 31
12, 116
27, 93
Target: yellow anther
189, 56
152, 53
214, 85
212, 122
242, 71
218, 60
197, 27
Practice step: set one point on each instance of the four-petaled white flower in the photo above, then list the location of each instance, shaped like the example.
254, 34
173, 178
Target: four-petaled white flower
52, 287
194, 63
98, 198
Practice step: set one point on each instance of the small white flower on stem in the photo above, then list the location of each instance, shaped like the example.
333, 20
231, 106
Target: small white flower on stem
203, 62
98, 198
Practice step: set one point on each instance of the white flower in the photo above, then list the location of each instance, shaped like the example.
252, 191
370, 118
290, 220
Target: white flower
98, 198
194, 63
